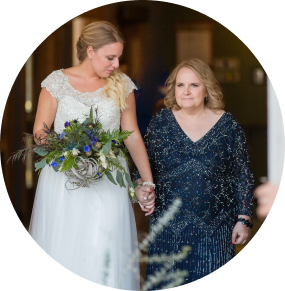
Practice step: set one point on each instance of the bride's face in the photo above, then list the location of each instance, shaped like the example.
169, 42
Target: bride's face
106, 59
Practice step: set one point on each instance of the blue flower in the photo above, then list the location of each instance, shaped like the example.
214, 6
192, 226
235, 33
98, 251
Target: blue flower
66, 124
61, 159
114, 142
93, 142
62, 135
99, 177
86, 148
53, 164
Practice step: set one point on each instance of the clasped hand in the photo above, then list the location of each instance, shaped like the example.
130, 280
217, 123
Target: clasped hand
241, 233
146, 197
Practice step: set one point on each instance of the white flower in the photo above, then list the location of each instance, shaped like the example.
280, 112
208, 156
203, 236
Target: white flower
102, 158
111, 154
75, 152
66, 154
132, 191
88, 153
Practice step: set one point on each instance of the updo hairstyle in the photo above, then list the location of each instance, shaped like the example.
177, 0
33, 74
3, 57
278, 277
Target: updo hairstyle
98, 34
205, 74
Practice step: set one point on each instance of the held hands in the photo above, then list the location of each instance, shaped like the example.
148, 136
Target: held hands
146, 197
241, 233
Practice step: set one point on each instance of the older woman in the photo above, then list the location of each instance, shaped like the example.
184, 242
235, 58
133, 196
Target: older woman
198, 153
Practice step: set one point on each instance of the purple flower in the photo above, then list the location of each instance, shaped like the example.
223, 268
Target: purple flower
61, 159
62, 135
86, 148
93, 142
99, 177
114, 142
53, 164
66, 124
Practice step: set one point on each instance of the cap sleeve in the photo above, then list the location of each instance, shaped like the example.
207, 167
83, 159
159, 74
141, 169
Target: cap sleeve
53, 83
131, 85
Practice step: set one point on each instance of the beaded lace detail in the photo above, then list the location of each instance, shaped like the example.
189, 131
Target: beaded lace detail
74, 104
213, 175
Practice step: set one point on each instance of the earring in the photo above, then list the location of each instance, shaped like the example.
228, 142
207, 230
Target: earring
206, 98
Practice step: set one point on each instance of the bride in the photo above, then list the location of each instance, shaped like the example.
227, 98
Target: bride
91, 231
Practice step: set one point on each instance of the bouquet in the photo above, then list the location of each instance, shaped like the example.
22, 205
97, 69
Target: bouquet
83, 151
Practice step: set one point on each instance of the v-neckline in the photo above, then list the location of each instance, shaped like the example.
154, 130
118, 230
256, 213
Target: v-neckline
207, 133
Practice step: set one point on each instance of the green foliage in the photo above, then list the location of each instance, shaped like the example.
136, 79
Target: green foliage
120, 179
68, 163
110, 177
129, 180
106, 148
40, 164
52, 145
41, 151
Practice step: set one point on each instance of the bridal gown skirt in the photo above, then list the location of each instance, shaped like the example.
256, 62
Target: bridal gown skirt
90, 231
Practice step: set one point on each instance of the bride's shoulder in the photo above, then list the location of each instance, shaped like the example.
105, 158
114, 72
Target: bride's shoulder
53, 82
53, 78
131, 84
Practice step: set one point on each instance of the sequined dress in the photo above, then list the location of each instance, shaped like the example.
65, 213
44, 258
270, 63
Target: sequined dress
90, 231
213, 178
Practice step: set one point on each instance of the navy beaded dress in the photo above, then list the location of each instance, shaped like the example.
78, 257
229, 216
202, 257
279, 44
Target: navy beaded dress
212, 177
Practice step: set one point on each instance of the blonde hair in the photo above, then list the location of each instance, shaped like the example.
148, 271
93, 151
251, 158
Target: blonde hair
205, 74
98, 34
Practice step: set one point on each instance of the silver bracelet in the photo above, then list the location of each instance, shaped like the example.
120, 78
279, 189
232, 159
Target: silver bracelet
149, 183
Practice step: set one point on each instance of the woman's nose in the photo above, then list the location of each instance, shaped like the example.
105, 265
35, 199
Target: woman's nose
116, 63
186, 90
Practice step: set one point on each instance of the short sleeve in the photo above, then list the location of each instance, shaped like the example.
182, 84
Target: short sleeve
53, 83
131, 85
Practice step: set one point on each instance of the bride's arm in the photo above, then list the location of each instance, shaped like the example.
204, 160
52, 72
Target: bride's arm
134, 142
46, 111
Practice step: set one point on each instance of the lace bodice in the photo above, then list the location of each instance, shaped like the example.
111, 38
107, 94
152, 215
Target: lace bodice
73, 104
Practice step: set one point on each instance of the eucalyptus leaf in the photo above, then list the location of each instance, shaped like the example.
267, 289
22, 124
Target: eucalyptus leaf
87, 120
129, 180
110, 177
41, 151
40, 164
95, 149
84, 138
75, 132
120, 179
106, 148
58, 165
80, 145
69, 135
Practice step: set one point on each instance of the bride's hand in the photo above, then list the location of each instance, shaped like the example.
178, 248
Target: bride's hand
146, 197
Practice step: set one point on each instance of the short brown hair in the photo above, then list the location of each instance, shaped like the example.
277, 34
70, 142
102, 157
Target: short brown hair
205, 74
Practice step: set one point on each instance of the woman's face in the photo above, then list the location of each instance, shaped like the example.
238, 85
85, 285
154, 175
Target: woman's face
190, 91
105, 59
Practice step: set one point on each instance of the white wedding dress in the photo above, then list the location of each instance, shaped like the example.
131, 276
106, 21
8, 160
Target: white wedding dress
90, 231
